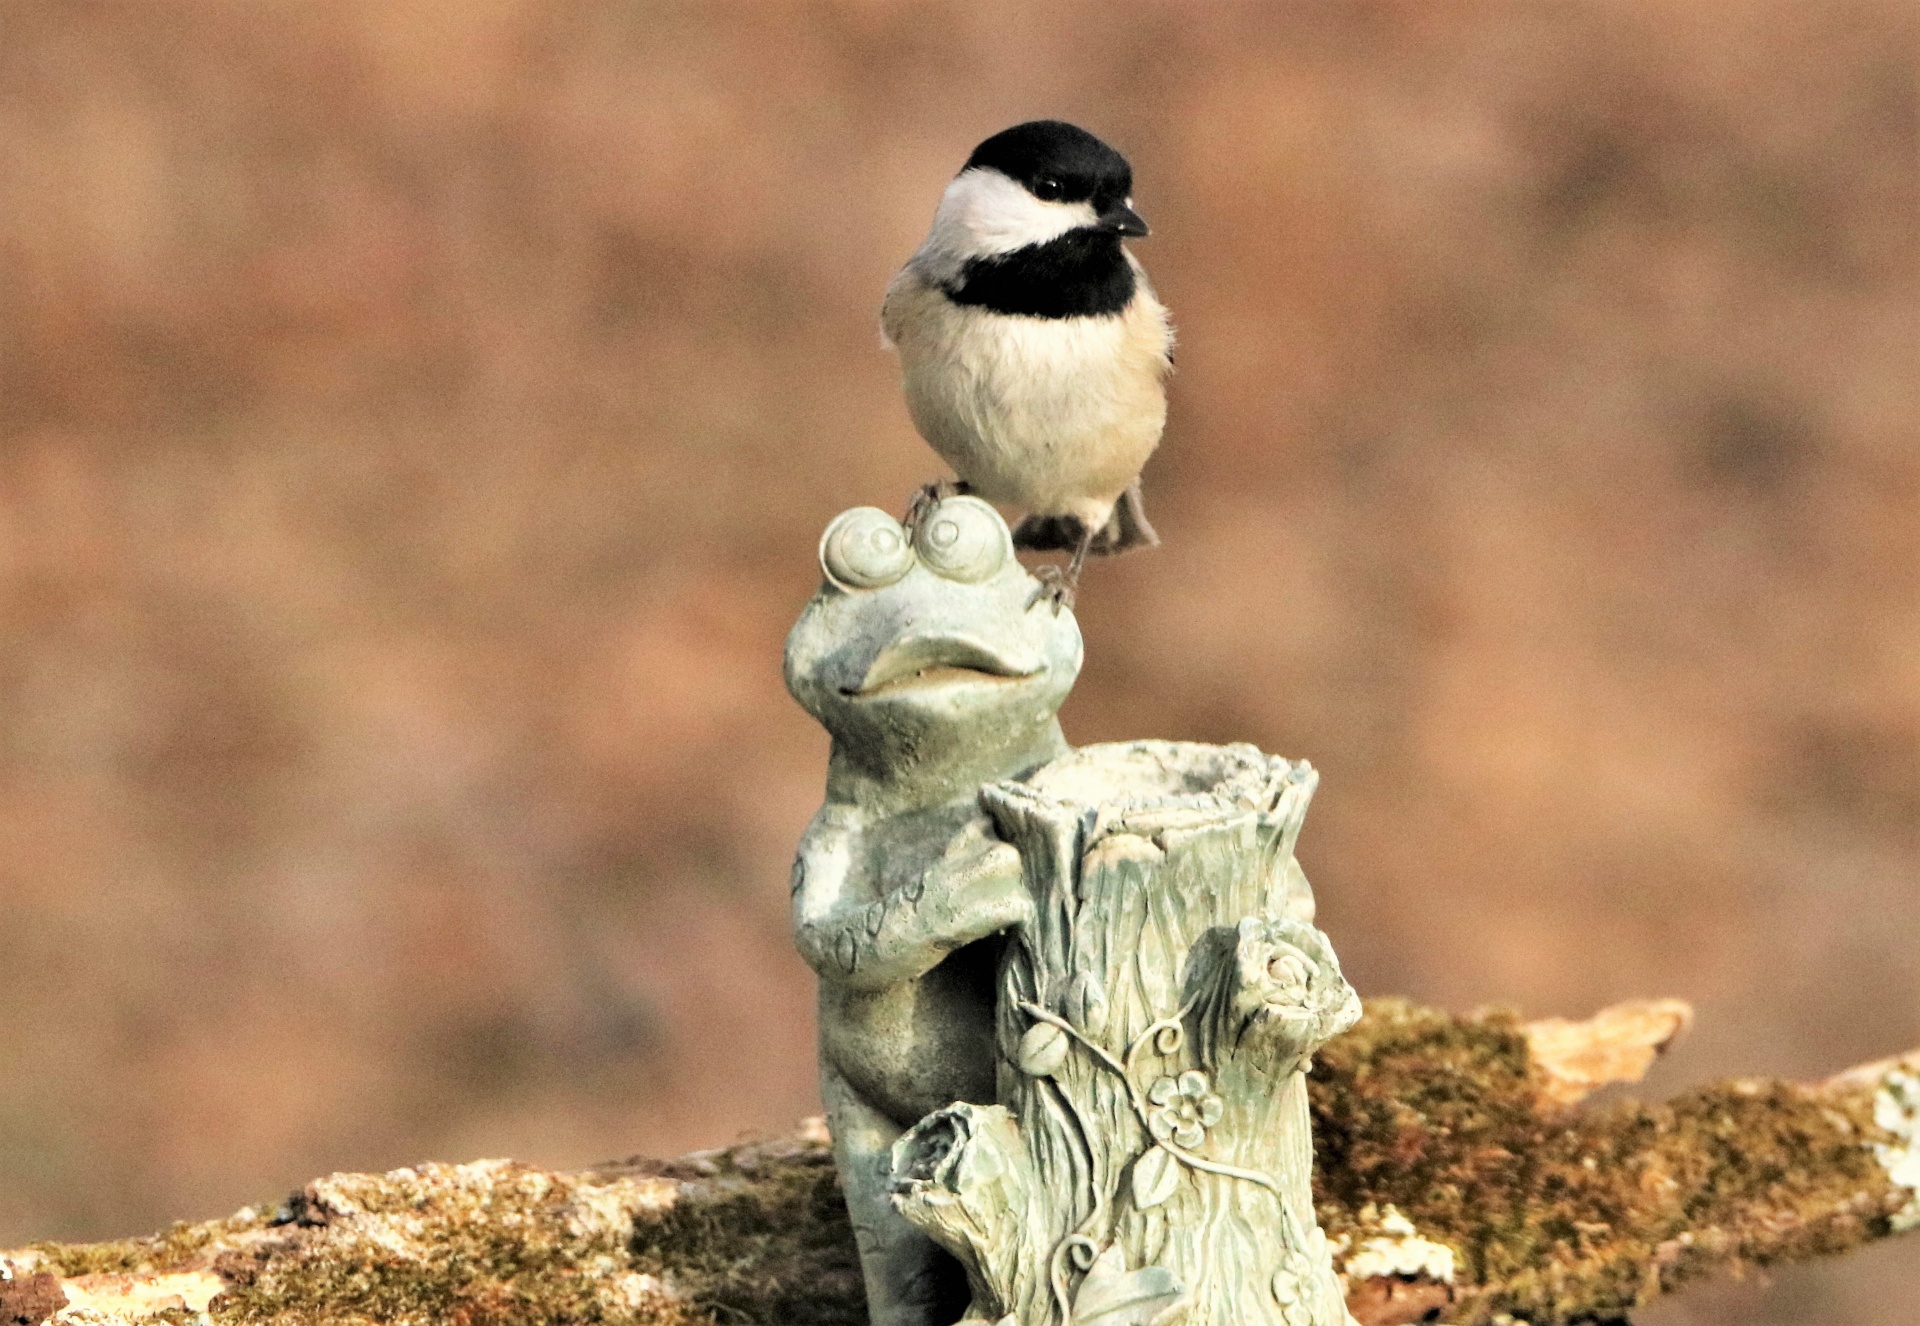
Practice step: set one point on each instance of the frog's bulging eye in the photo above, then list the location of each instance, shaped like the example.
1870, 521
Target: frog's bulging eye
964, 539
865, 548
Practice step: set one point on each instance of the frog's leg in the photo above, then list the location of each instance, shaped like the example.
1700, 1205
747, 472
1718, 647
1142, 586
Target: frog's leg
910, 1282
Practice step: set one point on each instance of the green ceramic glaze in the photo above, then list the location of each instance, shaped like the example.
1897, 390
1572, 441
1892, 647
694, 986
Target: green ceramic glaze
1067, 998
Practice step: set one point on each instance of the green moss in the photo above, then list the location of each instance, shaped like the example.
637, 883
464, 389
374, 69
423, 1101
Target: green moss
759, 1234
469, 1245
179, 1247
1577, 1215
769, 1243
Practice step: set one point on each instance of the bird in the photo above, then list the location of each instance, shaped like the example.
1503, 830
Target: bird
1033, 352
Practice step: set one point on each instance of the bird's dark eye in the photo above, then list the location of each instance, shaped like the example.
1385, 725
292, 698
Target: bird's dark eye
1049, 191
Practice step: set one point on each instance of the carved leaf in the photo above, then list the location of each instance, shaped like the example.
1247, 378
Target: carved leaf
1111, 1295
1155, 1176
1042, 1050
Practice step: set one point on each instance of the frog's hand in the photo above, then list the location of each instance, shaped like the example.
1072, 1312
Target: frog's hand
906, 934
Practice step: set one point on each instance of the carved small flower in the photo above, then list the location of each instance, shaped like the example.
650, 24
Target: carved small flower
1184, 1109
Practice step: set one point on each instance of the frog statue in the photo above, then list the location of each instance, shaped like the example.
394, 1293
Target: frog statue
938, 667
1068, 997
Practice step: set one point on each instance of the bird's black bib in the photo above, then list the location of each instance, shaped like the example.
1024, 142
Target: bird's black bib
1083, 273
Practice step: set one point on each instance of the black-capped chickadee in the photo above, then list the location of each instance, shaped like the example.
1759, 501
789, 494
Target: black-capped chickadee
1034, 353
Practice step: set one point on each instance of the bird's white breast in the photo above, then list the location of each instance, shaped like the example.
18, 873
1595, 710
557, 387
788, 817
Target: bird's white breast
1053, 415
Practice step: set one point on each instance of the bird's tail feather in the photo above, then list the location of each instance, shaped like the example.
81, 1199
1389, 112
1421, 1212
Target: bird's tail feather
1126, 529
1048, 533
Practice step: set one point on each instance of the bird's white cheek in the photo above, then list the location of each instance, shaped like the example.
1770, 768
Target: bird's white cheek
984, 213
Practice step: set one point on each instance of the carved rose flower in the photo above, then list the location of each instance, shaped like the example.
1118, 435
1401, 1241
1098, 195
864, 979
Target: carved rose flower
1290, 973
1185, 1108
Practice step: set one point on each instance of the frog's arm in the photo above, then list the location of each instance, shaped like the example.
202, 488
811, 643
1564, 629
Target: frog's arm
975, 891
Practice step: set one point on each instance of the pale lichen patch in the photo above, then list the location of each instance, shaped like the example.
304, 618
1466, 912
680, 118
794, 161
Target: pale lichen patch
1896, 1108
75, 1315
603, 1212
636, 1288
134, 1297
1397, 1249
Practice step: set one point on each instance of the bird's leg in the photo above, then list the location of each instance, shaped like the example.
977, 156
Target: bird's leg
1053, 587
1078, 561
930, 496
1059, 585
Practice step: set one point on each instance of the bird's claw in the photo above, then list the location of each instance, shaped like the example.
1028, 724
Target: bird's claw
1054, 586
930, 496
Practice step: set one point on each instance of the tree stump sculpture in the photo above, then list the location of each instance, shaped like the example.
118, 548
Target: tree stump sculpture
1149, 1157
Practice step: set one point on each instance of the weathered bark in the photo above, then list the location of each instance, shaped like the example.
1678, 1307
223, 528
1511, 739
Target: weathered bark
1618, 1044
1443, 1148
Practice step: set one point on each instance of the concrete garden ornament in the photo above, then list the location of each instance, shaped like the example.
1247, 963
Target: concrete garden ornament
1067, 997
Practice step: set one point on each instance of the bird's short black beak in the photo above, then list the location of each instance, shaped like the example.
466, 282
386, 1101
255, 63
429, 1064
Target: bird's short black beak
1123, 220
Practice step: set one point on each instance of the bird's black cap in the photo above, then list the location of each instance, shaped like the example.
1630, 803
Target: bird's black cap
1058, 161
1080, 273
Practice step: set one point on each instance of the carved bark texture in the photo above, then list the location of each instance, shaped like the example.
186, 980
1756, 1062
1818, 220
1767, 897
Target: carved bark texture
1151, 1154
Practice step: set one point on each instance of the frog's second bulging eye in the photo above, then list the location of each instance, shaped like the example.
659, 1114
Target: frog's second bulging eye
964, 539
865, 548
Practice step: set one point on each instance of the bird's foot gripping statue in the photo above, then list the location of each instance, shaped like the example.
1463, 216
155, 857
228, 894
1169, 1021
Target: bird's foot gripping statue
1067, 997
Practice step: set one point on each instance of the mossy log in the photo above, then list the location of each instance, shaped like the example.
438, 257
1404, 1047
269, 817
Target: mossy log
1457, 1177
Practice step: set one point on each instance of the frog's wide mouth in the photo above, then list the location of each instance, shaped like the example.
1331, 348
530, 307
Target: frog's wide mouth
940, 660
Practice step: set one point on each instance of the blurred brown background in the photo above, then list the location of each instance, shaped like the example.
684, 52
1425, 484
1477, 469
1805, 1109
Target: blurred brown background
416, 419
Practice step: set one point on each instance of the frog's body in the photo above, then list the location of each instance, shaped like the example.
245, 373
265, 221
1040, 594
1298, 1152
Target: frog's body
938, 669
947, 1012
